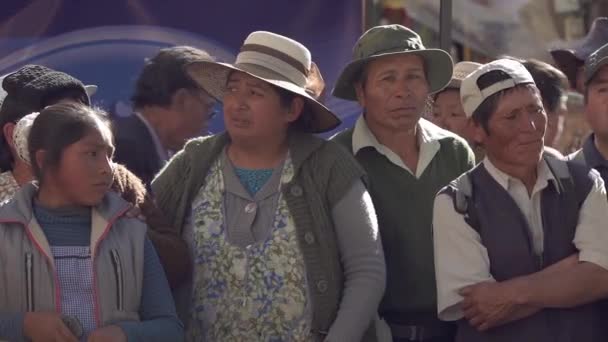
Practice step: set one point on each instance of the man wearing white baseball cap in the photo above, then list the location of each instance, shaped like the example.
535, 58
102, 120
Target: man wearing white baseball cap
521, 249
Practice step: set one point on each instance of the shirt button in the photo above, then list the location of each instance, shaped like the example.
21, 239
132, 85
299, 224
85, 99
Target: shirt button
309, 238
250, 208
322, 286
296, 190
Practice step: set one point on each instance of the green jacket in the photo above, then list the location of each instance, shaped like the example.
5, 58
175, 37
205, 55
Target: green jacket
324, 172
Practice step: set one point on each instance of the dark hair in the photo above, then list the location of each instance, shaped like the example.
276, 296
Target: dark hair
164, 74
486, 109
59, 126
444, 90
361, 77
551, 82
304, 122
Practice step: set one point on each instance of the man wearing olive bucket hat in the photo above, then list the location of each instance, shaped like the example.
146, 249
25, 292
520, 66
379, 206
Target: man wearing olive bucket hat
283, 232
407, 159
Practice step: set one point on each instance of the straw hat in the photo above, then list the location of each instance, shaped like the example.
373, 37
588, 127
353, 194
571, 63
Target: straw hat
278, 60
461, 71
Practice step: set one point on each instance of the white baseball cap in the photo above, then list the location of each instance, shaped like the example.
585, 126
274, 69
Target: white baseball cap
472, 96
461, 71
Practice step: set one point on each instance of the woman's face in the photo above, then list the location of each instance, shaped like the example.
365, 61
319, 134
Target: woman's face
84, 173
253, 109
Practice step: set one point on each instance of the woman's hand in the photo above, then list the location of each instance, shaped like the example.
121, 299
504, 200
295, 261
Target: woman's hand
46, 326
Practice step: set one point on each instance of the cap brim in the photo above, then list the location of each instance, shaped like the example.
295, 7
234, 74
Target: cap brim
568, 63
212, 77
439, 67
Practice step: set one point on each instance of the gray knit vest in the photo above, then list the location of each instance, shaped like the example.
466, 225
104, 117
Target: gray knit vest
505, 234
324, 172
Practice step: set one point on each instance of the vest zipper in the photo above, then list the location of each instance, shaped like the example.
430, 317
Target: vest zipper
95, 250
29, 280
119, 279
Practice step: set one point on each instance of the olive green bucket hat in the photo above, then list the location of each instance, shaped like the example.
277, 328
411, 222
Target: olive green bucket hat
388, 40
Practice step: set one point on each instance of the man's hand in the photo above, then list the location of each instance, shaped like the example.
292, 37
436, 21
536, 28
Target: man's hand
491, 304
111, 333
46, 326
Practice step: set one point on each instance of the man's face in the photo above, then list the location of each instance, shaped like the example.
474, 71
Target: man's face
596, 104
394, 92
515, 129
191, 118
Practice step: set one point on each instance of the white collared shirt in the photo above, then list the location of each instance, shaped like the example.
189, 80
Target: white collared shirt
462, 260
428, 136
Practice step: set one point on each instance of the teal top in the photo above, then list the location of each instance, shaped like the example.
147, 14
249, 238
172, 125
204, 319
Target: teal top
253, 179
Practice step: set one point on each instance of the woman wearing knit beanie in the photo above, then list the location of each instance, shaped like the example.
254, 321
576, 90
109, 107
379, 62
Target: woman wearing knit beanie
34, 87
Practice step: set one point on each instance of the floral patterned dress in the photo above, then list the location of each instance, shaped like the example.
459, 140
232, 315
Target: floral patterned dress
8, 186
255, 293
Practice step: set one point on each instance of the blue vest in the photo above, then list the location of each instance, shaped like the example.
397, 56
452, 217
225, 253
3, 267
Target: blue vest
505, 233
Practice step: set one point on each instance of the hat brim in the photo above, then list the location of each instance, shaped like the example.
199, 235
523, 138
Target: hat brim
91, 89
212, 77
439, 67
567, 61
455, 83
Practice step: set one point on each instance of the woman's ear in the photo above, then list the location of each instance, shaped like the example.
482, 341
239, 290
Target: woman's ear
8, 130
295, 109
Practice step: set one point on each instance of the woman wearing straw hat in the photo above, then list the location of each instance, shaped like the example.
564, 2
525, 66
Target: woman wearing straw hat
281, 228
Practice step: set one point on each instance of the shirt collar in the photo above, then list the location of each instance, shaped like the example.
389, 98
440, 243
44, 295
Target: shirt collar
162, 153
593, 157
427, 133
544, 175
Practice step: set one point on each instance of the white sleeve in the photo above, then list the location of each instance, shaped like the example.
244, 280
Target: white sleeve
591, 236
460, 258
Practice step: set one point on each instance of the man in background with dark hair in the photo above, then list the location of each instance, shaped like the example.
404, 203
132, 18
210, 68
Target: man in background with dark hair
595, 79
552, 84
521, 249
570, 59
169, 109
